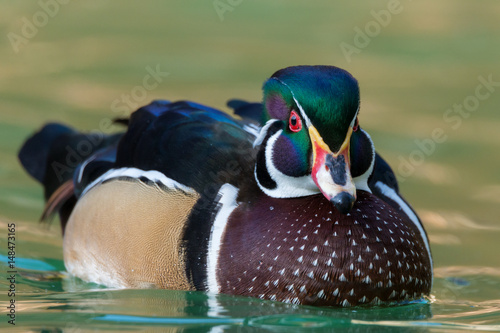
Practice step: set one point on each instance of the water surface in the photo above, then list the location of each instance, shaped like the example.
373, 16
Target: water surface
430, 57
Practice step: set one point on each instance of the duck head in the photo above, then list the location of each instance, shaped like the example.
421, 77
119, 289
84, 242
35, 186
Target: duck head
311, 141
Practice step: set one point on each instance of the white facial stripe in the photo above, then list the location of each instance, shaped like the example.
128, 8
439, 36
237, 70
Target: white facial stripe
302, 112
361, 182
354, 119
263, 132
287, 186
227, 202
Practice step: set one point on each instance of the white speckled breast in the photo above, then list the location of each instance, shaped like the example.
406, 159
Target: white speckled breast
304, 251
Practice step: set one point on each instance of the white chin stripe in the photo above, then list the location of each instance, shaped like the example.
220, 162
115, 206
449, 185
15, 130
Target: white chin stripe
361, 182
152, 175
263, 132
286, 186
227, 203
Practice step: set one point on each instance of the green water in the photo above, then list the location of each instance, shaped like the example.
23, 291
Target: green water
429, 56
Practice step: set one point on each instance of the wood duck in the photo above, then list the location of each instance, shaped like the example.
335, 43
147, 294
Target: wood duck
290, 203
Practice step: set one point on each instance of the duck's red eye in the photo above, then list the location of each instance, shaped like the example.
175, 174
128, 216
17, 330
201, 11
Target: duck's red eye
356, 125
294, 122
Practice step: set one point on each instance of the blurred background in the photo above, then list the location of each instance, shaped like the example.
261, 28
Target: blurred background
429, 74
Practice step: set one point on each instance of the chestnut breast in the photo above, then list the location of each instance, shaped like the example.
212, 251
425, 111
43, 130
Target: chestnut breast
302, 250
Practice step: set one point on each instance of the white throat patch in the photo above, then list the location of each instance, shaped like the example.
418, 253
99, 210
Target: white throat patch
361, 182
287, 186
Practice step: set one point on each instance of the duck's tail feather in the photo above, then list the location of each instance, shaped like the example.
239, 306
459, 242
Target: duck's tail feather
35, 152
61, 201
57, 200
52, 155
250, 112
122, 121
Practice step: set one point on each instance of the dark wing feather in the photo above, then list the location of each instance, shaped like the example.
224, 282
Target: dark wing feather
195, 145
383, 183
382, 172
52, 155
34, 154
